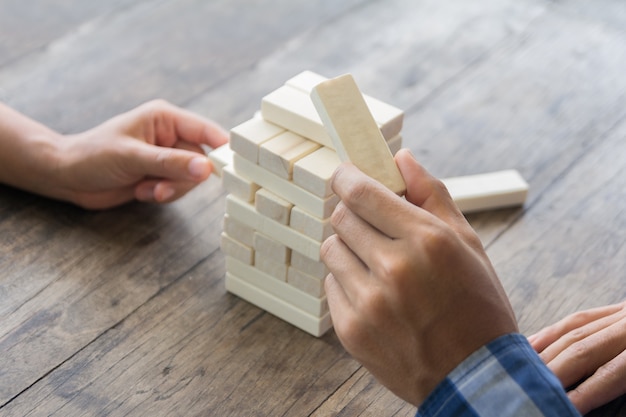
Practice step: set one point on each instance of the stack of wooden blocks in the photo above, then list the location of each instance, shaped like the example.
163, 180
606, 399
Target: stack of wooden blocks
277, 172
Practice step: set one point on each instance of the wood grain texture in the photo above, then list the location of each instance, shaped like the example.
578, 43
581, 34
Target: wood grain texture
124, 312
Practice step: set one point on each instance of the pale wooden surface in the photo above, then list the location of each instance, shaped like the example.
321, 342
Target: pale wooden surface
124, 312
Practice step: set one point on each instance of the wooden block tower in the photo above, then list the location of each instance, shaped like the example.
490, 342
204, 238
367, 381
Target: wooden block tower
277, 170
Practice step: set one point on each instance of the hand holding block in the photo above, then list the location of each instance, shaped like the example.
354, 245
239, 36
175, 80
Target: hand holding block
354, 132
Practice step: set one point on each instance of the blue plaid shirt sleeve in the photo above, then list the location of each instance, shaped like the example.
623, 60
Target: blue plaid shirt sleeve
501, 379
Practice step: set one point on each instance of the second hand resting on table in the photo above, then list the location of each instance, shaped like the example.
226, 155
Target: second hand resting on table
152, 153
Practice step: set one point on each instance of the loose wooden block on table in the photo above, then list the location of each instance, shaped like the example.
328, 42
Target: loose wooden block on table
238, 185
278, 154
246, 138
314, 171
316, 306
487, 191
246, 214
272, 206
317, 206
354, 132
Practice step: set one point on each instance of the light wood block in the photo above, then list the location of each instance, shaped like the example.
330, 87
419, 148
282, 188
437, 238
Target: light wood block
395, 144
269, 204
271, 248
238, 231
292, 109
246, 214
316, 306
309, 225
354, 132
316, 326
237, 250
246, 138
278, 154
272, 268
488, 191
314, 171
317, 206
306, 283
309, 266
221, 157
388, 117
238, 185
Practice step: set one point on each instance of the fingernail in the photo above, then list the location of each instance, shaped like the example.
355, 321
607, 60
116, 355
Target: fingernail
166, 193
199, 167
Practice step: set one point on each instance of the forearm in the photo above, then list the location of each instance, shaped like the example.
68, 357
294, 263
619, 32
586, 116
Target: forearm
504, 378
28, 152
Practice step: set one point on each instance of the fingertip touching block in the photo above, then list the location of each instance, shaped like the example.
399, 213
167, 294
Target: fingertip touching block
354, 132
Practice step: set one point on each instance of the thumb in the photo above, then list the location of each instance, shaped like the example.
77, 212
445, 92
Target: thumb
423, 189
171, 163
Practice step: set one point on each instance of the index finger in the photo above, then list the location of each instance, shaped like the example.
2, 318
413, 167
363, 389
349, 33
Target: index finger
372, 201
172, 124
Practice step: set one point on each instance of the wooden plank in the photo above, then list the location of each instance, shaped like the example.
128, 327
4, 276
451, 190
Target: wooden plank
354, 132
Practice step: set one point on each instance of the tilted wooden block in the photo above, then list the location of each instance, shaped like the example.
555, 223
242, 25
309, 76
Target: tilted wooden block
272, 268
271, 248
304, 282
236, 249
307, 224
354, 132
309, 266
239, 231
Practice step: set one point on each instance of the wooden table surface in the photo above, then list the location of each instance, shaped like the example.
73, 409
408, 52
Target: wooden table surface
124, 312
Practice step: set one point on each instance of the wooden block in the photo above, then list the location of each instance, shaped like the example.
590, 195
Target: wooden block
236, 250
317, 206
246, 214
488, 191
316, 306
246, 138
269, 204
315, 326
309, 225
388, 117
238, 231
221, 157
271, 248
293, 110
238, 185
354, 132
272, 268
278, 154
304, 282
395, 144
309, 266
314, 171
